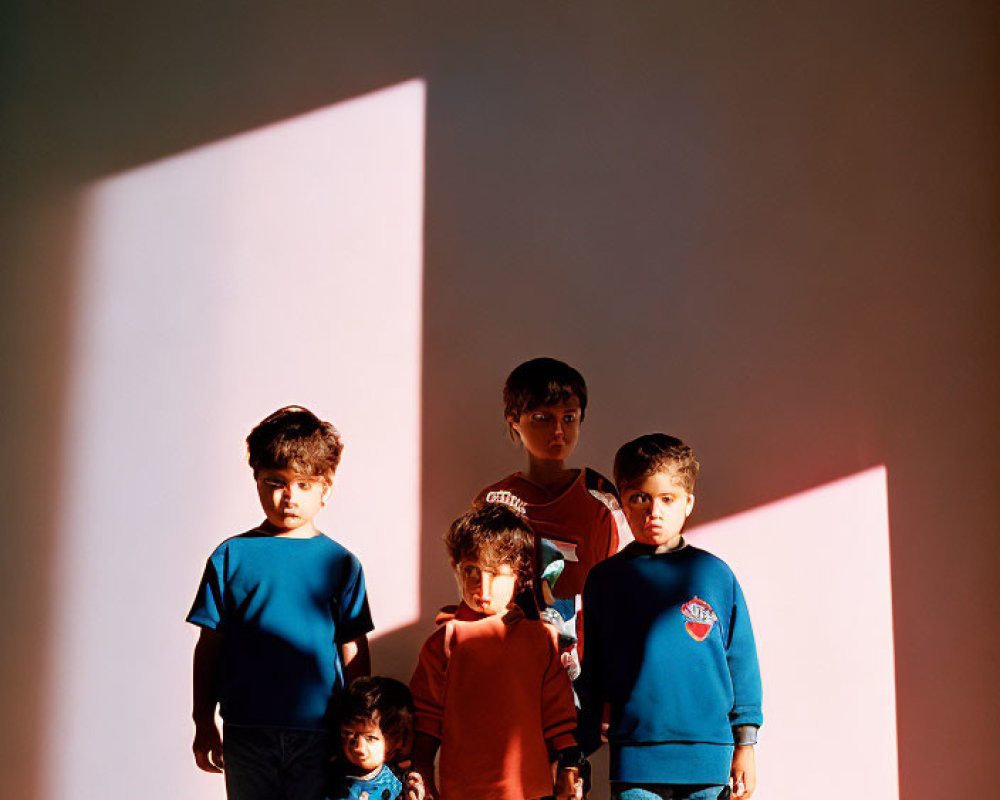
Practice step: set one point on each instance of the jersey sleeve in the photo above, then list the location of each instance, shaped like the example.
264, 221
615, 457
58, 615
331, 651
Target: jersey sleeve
427, 684
209, 605
558, 708
353, 617
741, 653
613, 532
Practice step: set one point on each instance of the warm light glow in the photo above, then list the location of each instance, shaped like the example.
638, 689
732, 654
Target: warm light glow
280, 266
815, 571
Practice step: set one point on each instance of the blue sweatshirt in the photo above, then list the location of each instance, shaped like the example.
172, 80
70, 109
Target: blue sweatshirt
668, 645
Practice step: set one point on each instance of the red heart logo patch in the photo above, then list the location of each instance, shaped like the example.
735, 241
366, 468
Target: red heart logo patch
698, 630
699, 618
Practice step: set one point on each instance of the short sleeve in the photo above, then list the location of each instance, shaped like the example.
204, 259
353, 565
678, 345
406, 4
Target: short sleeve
353, 618
613, 532
208, 608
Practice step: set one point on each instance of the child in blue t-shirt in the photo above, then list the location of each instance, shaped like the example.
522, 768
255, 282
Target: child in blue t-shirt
284, 620
376, 730
669, 647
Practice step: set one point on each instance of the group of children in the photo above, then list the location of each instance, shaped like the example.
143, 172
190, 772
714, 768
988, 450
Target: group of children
584, 617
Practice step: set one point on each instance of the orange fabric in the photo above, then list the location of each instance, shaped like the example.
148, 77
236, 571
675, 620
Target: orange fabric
499, 701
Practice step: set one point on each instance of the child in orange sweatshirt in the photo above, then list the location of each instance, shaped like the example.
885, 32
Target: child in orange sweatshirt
489, 688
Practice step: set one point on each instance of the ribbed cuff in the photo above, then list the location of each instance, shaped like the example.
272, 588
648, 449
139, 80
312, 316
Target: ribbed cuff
744, 735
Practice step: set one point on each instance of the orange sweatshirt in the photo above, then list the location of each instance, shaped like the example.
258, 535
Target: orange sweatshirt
499, 701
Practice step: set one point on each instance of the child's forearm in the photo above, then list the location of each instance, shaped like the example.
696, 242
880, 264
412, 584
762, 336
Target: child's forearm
356, 658
207, 656
207, 741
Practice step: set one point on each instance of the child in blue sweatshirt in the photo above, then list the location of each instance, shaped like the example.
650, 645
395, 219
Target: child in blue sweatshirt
669, 647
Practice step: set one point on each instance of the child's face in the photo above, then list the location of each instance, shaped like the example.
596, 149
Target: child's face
290, 500
486, 587
657, 508
550, 433
363, 745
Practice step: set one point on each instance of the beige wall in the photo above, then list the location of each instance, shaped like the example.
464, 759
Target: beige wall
770, 230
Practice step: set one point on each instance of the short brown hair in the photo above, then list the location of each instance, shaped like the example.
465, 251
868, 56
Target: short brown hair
384, 702
652, 453
492, 532
295, 438
541, 382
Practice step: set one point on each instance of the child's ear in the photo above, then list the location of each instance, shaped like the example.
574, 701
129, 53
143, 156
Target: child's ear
327, 488
690, 506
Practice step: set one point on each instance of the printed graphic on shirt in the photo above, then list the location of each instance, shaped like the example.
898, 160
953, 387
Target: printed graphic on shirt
700, 618
621, 523
508, 499
567, 550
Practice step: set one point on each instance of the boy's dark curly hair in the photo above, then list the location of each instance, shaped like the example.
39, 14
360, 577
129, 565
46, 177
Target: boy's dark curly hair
384, 702
493, 533
295, 438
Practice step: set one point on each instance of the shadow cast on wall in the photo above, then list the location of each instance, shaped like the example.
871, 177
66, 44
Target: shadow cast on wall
733, 221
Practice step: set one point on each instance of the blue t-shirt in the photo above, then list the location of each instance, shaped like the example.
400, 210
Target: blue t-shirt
283, 606
384, 786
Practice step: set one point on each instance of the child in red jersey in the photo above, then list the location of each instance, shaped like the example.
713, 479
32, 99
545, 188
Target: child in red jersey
489, 688
574, 513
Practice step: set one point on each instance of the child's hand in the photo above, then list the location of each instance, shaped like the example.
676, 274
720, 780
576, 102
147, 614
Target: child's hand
743, 774
208, 746
569, 784
414, 789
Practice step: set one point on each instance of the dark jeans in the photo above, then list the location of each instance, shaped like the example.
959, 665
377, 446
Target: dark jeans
274, 764
668, 791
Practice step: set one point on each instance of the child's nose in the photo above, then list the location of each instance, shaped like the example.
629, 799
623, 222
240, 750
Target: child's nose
486, 585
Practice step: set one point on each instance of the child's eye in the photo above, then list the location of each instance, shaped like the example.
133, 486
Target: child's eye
304, 485
371, 738
569, 418
539, 417
638, 499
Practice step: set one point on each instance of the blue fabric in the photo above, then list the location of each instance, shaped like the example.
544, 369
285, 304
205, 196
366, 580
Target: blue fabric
265, 764
384, 786
668, 644
283, 607
666, 791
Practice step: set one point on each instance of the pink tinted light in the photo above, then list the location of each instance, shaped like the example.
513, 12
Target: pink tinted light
815, 571
280, 266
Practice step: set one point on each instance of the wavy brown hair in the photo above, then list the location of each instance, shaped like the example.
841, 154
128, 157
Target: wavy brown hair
652, 453
492, 533
295, 438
